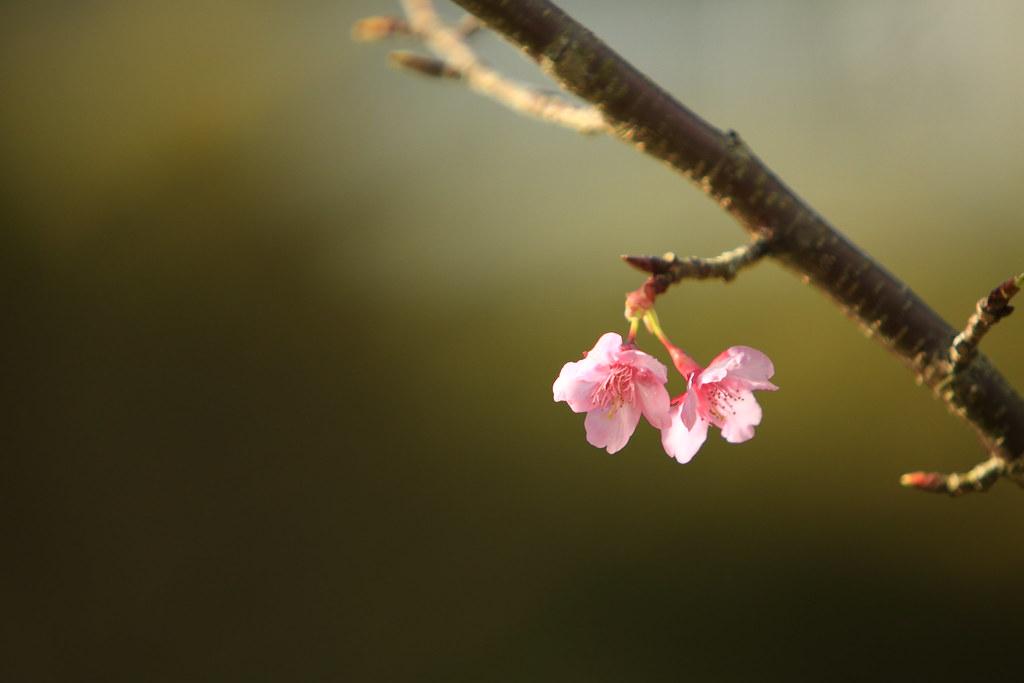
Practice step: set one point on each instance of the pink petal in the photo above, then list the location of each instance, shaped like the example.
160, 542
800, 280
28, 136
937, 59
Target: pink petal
754, 366
742, 363
742, 415
645, 362
606, 350
575, 385
682, 443
716, 372
611, 429
654, 402
688, 409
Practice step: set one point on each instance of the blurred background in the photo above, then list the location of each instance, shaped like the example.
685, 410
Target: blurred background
280, 327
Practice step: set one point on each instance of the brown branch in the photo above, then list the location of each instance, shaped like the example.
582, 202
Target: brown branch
672, 269
988, 311
669, 269
722, 165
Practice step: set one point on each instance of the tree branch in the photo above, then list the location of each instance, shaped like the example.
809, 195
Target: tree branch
640, 113
456, 59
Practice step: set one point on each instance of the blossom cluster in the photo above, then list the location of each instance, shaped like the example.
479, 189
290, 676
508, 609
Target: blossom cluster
615, 383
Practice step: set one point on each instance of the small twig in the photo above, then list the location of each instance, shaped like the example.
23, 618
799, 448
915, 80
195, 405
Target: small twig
668, 269
671, 269
979, 478
988, 311
456, 59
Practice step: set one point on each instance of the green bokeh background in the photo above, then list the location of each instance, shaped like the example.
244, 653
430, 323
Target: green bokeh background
281, 325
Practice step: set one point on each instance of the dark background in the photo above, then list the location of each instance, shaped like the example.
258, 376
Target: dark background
280, 327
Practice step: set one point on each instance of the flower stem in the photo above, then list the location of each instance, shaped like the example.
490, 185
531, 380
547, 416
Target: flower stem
684, 364
634, 326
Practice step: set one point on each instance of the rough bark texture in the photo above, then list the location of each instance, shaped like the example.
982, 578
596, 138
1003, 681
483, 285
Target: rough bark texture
647, 117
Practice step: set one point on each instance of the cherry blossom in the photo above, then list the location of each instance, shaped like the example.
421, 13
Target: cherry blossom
614, 384
722, 395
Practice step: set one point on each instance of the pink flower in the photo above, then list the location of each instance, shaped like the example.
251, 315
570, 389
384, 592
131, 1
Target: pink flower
613, 385
720, 394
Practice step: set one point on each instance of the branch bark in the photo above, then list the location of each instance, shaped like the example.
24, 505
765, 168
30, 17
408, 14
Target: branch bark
723, 166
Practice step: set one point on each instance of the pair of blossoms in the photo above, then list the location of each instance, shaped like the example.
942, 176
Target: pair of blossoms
616, 382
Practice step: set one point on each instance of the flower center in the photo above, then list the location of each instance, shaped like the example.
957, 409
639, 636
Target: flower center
618, 387
721, 401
